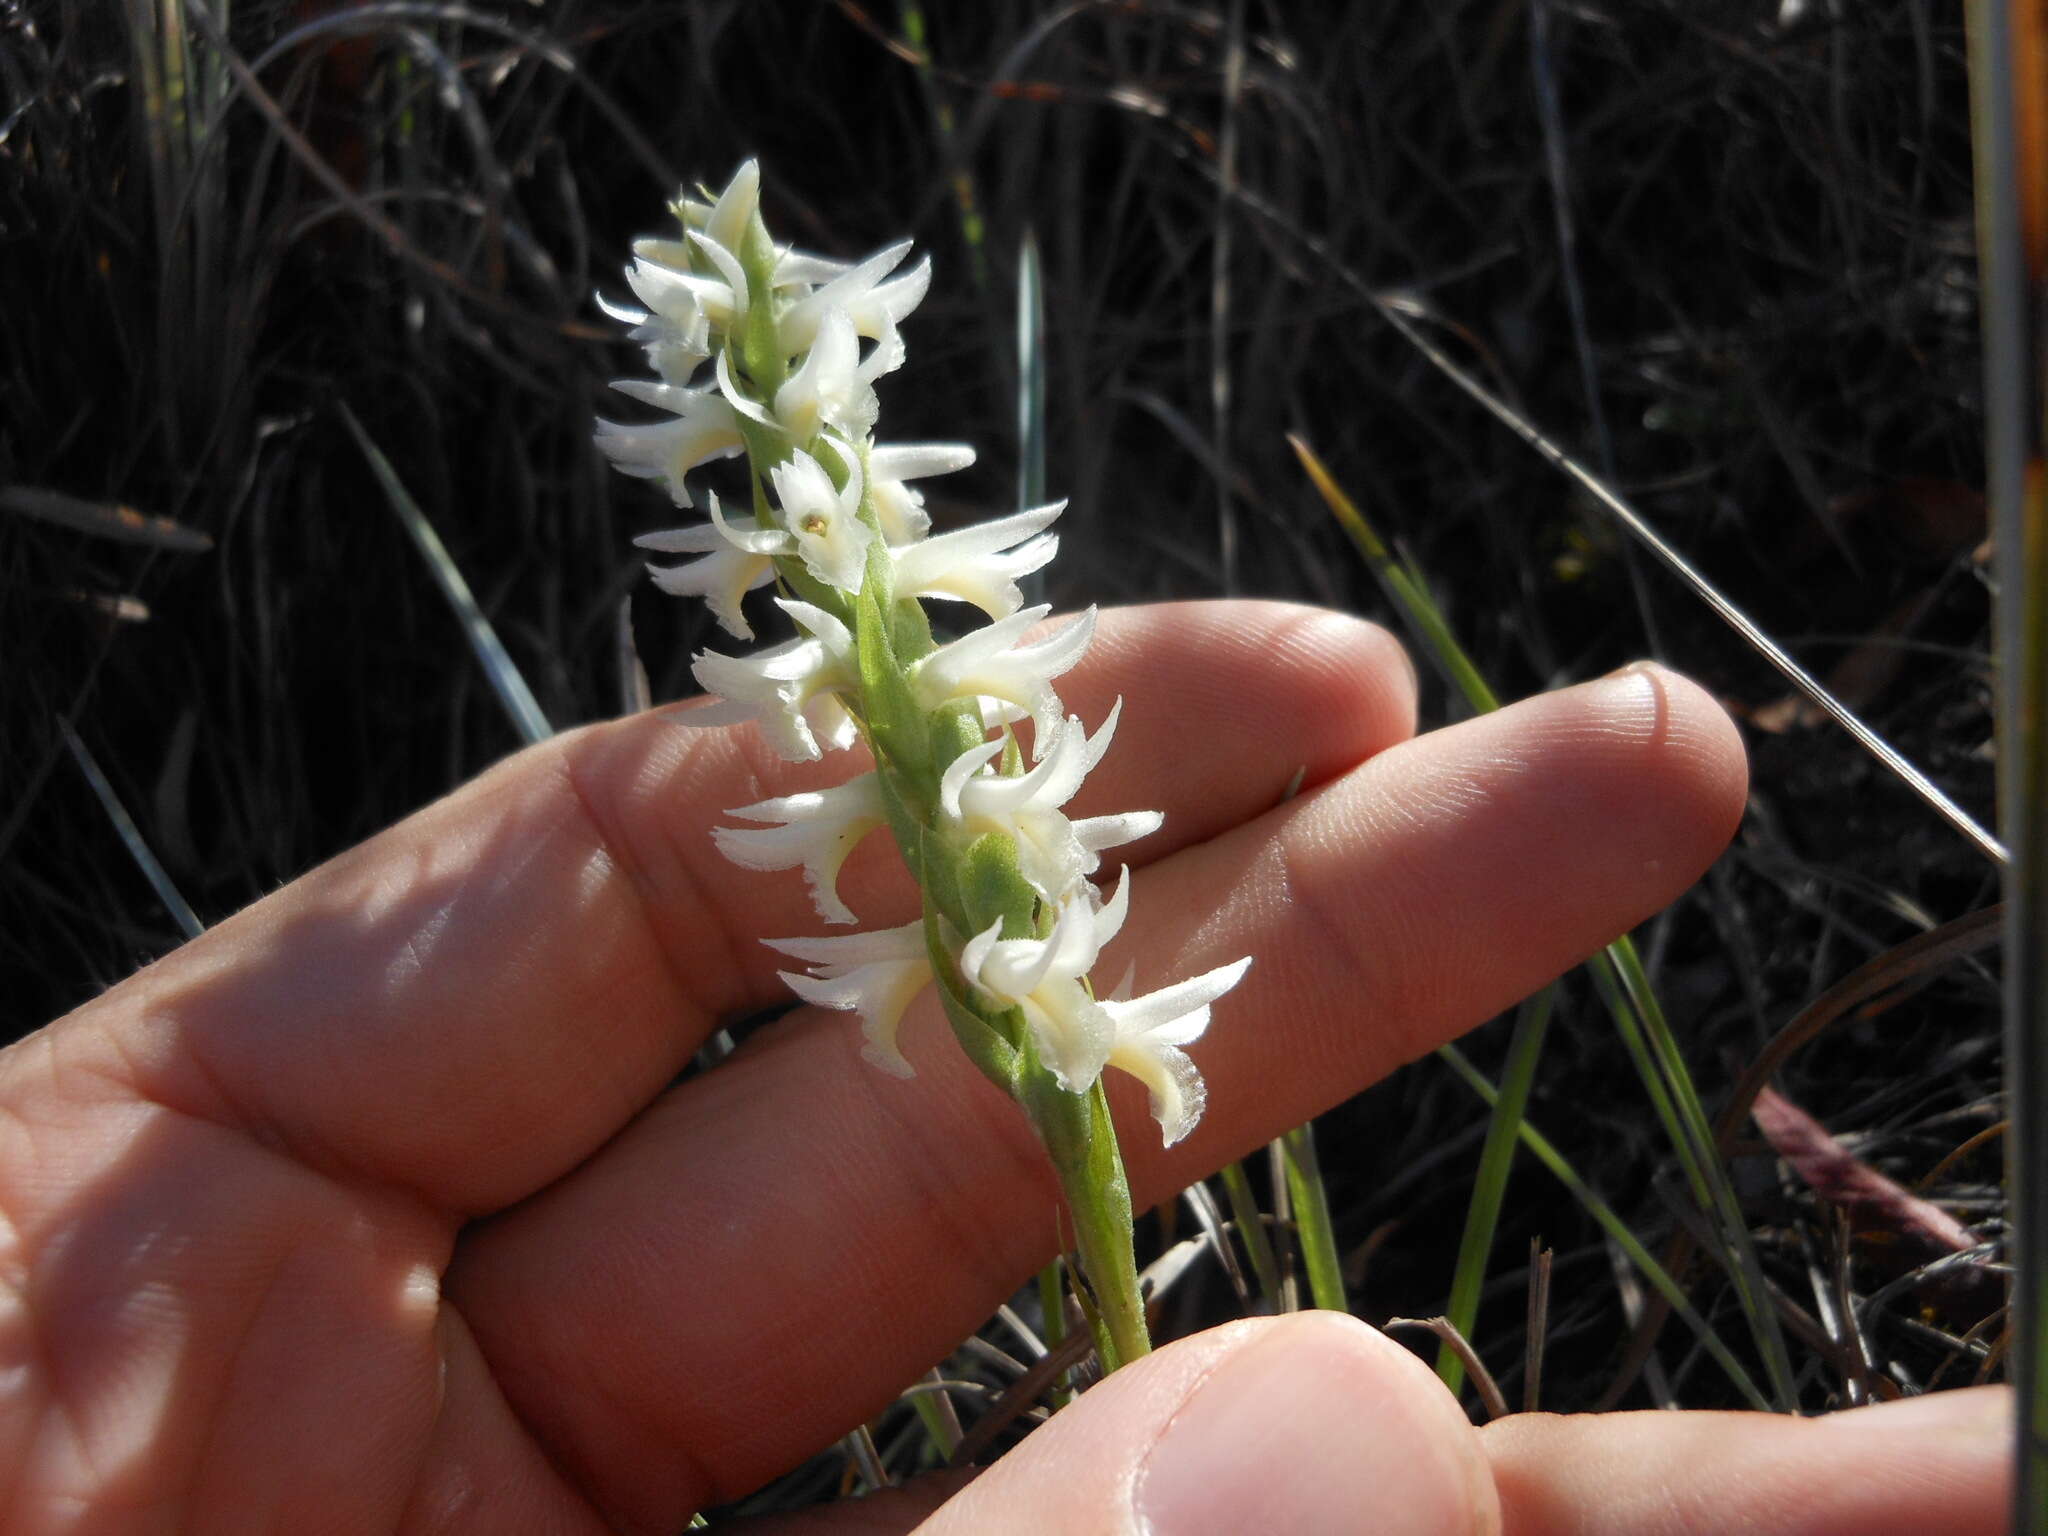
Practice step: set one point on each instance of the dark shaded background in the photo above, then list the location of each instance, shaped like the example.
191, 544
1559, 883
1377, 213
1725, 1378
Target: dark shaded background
1746, 225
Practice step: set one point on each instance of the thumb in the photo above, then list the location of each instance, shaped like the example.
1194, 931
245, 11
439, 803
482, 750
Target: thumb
1309, 1423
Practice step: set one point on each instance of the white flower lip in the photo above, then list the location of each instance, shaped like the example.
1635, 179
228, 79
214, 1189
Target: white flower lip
736, 560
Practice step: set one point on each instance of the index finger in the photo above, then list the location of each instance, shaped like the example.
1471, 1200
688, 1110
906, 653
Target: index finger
469, 1004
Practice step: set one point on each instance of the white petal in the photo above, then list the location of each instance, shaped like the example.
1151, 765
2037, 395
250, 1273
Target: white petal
960, 770
734, 210
966, 565
839, 952
1096, 833
918, 461
1177, 1014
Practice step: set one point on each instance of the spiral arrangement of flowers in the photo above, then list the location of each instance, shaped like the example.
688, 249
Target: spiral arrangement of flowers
773, 353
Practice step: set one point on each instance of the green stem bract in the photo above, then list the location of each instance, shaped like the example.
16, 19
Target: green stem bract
761, 344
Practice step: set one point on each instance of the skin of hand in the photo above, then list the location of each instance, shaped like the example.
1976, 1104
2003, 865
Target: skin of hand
378, 1207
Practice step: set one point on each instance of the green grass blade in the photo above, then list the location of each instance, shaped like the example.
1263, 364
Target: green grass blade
1616, 1229
1052, 1305
1030, 375
941, 1424
973, 228
131, 836
1490, 1185
1312, 1222
1251, 1230
1424, 620
520, 706
1638, 1019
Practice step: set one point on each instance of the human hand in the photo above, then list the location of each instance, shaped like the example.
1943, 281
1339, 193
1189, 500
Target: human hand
373, 1209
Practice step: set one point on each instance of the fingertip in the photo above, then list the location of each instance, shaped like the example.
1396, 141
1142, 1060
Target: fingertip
1318, 1422
1673, 759
1309, 1423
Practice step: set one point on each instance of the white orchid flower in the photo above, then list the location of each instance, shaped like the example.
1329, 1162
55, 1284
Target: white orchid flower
1053, 852
1044, 979
977, 565
876, 974
992, 662
898, 508
828, 389
825, 523
791, 689
1149, 1034
736, 559
817, 830
704, 429
873, 306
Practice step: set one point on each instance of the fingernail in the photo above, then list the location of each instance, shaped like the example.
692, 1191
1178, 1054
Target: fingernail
1292, 1434
1632, 669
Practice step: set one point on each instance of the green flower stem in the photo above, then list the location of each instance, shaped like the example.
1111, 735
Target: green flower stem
966, 888
1077, 1131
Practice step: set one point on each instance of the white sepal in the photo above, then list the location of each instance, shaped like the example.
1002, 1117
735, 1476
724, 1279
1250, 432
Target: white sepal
817, 831
872, 309
898, 508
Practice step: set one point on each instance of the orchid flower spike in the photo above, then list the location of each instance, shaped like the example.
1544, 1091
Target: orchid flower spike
776, 354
